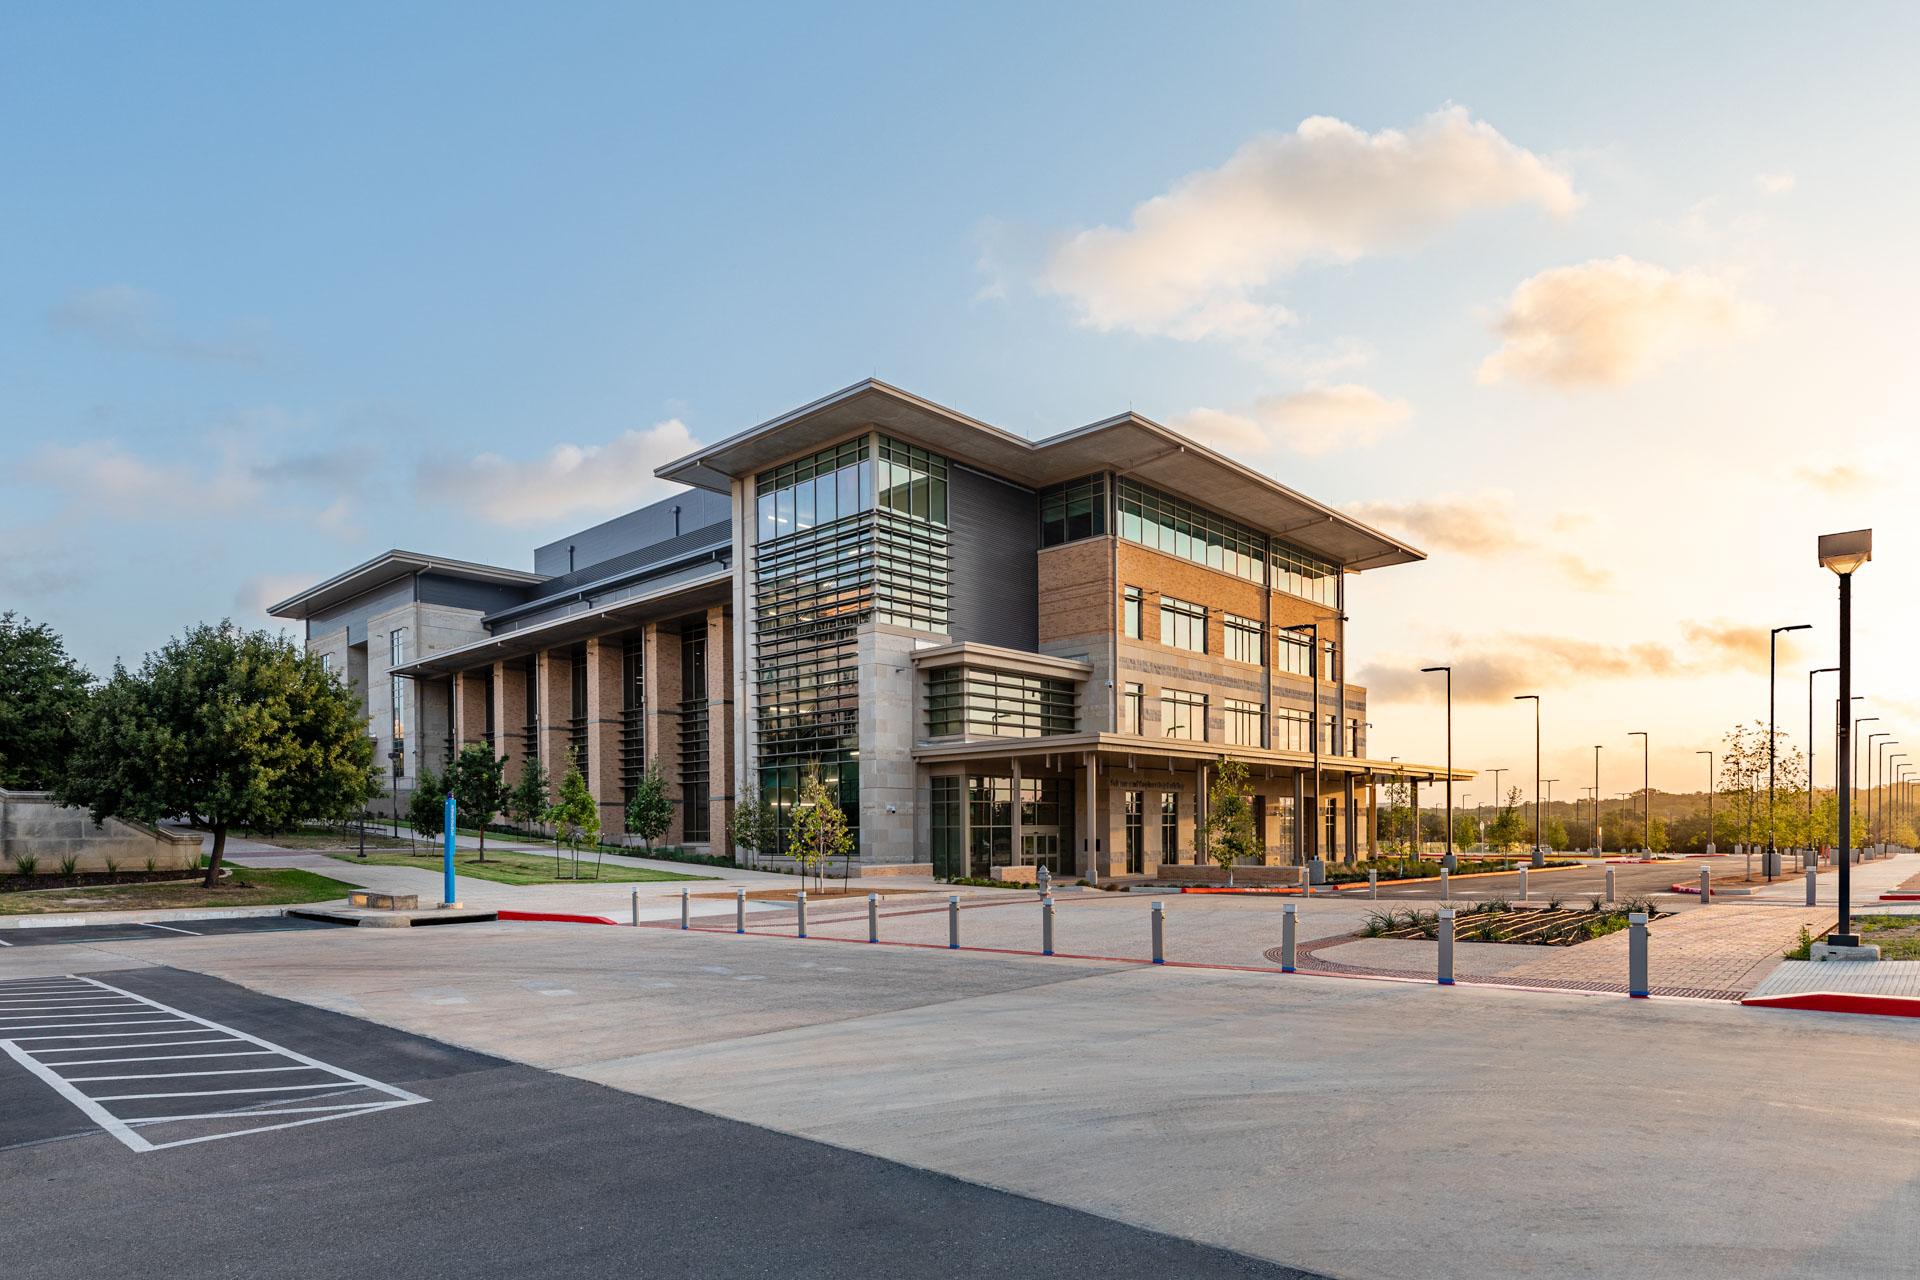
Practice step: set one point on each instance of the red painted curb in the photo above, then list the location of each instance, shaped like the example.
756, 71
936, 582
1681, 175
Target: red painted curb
1842, 1002
553, 917
1900, 897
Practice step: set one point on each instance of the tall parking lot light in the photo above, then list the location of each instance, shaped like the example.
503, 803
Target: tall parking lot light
1449, 673
1596, 798
1867, 777
1773, 646
1844, 553
1817, 671
1538, 859
1892, 796
1709, 756
1646, 785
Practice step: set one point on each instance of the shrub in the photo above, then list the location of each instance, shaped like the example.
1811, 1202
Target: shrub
153, 864
26, 863
113, 866
69, 863
1802, 949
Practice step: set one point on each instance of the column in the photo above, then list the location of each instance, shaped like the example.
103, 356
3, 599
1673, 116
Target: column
1352, 841
603, 733
1090, 826
1373, 820
662, 713
469, 708
509, 714
723, 782
1019, 825
556, 707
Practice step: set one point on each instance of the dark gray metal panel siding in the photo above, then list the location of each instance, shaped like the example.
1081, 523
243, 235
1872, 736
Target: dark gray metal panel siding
632, 531
353, 614
461, 593
996, 570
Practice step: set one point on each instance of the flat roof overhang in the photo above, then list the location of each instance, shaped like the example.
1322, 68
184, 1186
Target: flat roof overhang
1127, 444
388, 567
655, 606
972, 653
1112, 746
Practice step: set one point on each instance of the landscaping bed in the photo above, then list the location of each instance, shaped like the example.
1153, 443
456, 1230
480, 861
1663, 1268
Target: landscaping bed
1499, 921
1429, 868
17, 883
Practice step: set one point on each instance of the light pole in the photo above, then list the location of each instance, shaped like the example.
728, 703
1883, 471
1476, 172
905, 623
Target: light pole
1450, 861
1773, 646
1844, 553
1311, 844
1549, 785
1877, 822
1812, 841
1709, 756
1867, 799
1539, 859
1893, 808
1598, 844
1646, 785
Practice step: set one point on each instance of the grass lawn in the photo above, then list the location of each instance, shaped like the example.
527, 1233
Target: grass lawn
1898, 937
378, 837
246, 887
508, 867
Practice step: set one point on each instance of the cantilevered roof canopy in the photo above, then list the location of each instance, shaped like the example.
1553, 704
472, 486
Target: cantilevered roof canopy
389, 567
1128, 444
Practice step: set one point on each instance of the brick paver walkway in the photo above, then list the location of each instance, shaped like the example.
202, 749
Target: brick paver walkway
1720, 948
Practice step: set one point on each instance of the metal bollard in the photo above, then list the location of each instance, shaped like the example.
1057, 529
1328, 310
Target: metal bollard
686, 910
1609, 884
1289, 935
1046, 881
1159, 933
1373, 884
1706, 885
1637, 955
800, 901
1446, 946
636, 908
1523, 884
1443, 884
1046, 925
873, 917
1812, 890
739, 910
953, 922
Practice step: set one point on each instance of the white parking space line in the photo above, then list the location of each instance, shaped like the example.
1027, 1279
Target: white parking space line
53, 1042
191, 933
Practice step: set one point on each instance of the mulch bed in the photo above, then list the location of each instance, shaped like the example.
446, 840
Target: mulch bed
93, 879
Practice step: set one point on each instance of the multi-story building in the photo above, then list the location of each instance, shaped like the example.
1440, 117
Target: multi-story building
998, 652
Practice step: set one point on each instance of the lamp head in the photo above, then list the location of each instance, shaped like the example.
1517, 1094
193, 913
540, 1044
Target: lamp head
1845, 552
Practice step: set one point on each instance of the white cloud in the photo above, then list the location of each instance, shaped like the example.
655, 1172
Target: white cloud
1194, 260
570, 479
120, 315
101, 472
1609, 321
264, 589
1315, 421
1775, 184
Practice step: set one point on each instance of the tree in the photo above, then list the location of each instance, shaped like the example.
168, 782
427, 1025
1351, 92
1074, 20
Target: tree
1509, 830
1466, 831
230, 728
649, 809
427, 805
478, 780
575, 815
818, 833
751, 824
1396, 820
1556, 834
527, 802
1230, 835
43, 694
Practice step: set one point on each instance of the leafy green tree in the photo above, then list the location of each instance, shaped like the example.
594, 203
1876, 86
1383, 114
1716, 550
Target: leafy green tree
427, 805
1555, 834
649, 809
478, 780
43, 694
527, 802
818, 832
575, 814
1466, 832
1510, 829
227, 727
751, 824
1230, 835
1396, 819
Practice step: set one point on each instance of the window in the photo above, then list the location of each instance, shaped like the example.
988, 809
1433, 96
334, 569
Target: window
326, 664
696, 740
1004, 704
1243, 639
1136, 806
1133, 710
948, 826
814, 491
1294, 652
1183, 715
1177, 527
1169, 826
1183, 624
1352, 743
1131, 615
397, 685
1292, 730
1299, 574
1243, 722
1073, 511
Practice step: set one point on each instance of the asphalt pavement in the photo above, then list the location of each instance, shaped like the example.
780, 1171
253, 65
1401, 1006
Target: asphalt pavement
492, 1170
151, 931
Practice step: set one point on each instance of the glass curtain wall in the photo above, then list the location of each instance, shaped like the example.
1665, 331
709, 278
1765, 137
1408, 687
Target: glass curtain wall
696, 752
852, 534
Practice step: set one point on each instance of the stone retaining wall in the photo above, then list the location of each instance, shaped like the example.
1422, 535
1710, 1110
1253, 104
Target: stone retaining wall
33, 826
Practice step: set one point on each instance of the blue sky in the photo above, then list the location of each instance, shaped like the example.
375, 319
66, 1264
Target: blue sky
276, 279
